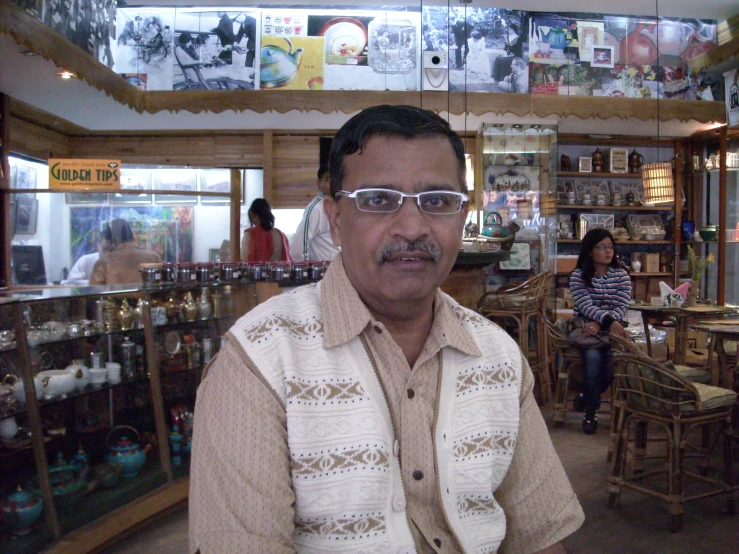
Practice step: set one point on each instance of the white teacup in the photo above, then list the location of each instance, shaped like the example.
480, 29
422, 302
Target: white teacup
99, 376
114, 372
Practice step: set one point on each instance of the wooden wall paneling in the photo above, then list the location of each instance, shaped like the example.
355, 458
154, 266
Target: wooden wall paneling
4, 198
267, 165
195, 151
723, 208
295, 162
34, 141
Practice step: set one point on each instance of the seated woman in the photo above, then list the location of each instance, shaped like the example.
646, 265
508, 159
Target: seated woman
601, 291
262, 242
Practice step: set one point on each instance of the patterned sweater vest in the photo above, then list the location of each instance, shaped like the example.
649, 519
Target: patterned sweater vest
346, 477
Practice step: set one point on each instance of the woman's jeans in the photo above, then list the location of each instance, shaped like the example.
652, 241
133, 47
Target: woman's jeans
597, 375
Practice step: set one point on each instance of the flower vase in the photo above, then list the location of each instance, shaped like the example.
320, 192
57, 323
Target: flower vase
693, 292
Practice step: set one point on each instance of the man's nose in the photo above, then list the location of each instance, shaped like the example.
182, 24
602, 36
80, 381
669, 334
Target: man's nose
410, 222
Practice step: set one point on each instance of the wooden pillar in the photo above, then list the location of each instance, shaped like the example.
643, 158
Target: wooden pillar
5, 215
236, 185
723, 208
267, 148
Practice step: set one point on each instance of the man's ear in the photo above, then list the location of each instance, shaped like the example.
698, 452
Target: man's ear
331, 209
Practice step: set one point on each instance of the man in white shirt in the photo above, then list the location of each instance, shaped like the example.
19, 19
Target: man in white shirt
80, 273
312, 240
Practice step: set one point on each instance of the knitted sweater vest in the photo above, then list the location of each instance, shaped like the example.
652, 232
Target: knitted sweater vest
345, 471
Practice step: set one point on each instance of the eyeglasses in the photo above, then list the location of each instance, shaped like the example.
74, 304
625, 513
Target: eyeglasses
437, 202
604, 247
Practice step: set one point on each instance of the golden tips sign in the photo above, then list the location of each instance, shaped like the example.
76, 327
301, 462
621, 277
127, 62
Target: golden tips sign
81, 175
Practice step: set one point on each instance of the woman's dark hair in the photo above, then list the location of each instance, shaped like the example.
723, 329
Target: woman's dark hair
396, 121
476, 34
121, 231
585, 262
260, 208
185, 37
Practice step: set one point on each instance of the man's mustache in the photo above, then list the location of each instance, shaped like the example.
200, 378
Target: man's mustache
411, 246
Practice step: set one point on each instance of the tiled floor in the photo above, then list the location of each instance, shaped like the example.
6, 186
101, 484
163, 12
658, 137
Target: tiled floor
639, 525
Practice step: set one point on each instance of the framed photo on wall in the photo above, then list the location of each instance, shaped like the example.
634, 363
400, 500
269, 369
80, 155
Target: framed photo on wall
585, 165
603, 57
23, 177
26, 216
175, 180
215, 180
619, 160
134, 179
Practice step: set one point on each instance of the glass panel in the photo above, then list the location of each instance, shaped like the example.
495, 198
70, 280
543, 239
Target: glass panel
97, 409
23, 528
58, 237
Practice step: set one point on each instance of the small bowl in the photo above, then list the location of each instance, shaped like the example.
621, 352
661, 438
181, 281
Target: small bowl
99, 376
709, 235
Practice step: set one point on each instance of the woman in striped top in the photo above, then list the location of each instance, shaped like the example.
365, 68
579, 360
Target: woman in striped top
601, 291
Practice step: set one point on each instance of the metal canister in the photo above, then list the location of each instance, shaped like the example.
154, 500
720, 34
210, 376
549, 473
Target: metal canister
97, 360
299, 271
151, 274
100, 304
207, 349
315, 271
256, 271
582, 228
186, 273
169, 273
204, 273
228, 271
128, 358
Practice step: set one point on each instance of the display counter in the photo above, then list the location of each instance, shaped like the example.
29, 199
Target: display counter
95, 379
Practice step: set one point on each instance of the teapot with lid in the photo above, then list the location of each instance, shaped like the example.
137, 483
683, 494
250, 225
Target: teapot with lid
278, 66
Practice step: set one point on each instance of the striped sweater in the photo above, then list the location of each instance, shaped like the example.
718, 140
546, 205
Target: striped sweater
606, 300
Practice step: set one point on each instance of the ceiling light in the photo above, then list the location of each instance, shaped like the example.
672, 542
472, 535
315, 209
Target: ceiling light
66, 74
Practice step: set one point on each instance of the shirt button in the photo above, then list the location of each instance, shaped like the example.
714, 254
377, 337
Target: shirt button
437, 542
396, 448
398, 502
411, 393
418, 475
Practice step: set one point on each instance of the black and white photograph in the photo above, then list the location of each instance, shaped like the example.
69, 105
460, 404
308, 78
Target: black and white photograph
23, 177
215, 50
482, 45
26, 215
144, 45
90, 25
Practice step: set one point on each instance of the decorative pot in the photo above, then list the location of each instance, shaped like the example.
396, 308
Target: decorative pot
80, 372
57, 382
14, 384
693, 293
20, 510
126, 453
8, 428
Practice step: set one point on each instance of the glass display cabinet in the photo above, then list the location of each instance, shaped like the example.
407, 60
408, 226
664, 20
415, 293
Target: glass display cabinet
98, 391
712, 211
517, 169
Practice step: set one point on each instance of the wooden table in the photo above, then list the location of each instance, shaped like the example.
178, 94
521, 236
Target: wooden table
720, 331
682, 317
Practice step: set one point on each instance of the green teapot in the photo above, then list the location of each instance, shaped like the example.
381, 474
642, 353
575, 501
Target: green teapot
278, 66
493, 226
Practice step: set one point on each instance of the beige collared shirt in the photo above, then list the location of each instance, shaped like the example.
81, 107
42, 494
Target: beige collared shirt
240, 491
121, 266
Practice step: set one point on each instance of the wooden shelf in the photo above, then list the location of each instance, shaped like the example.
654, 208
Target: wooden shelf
641, 274
594, 174
618, 208
618, 242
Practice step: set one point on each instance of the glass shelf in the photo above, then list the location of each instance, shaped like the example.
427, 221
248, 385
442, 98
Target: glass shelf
617, 208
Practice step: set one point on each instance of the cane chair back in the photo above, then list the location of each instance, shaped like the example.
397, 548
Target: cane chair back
565, 358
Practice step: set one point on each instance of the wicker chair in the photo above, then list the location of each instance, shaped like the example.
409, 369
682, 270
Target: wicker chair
651, 393
566, 358
521, 304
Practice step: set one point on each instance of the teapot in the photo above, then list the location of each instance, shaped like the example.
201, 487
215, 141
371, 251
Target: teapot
638, 49
493, 226
15, 386
126, 453
20, 510
556, 37
81, 374
671, 37
278, 66
635, 161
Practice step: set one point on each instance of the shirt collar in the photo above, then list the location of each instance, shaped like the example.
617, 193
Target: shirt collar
345, 316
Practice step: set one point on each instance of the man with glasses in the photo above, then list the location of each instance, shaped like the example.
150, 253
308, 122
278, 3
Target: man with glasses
371, 412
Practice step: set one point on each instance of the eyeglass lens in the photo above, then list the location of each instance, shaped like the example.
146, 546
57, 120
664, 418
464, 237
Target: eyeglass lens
432, 202
604, 247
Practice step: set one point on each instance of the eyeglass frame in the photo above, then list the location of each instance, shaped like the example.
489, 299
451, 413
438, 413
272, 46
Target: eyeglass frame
605, 247
403, 195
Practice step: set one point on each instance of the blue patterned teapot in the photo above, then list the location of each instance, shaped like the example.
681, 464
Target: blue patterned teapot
20, 510
126, 453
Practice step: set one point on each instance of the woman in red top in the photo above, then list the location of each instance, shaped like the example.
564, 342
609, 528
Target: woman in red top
262, 242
